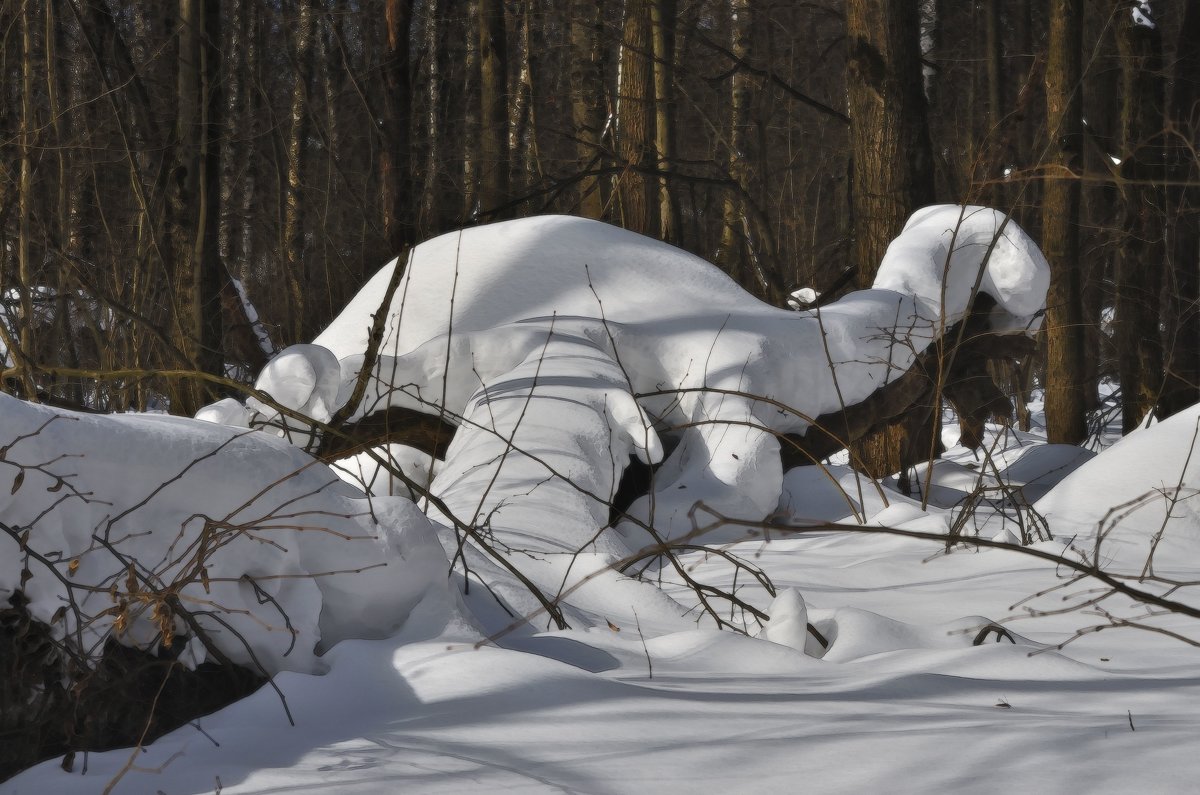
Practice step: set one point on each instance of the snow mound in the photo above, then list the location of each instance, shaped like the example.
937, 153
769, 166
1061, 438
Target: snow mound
957, 249
134, 521
1138, 496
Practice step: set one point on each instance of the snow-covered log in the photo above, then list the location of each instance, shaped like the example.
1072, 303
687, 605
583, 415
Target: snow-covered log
558, 348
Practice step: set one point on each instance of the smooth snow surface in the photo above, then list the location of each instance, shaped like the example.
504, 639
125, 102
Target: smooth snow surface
569, 348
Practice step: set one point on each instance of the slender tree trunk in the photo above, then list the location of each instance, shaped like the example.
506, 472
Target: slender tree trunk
25, 275
662, 26
435, 51
637, 191
1182, 387
1065, 371
995, 164
732, 253
195, 204
588, 112
493, 107
892, 156
521, 119
210, 275
394, 165
1141, 256
472, 119
293, 231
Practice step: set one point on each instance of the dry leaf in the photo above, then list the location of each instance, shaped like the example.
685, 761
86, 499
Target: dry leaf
18, 480
613, 626
73, 566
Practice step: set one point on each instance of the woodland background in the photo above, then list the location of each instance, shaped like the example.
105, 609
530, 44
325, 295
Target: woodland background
157, 156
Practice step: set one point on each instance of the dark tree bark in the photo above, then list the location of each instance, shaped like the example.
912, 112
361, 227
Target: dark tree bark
662, 34
889, 132
493, 104
395, 168
194, 200
588, 107
734, 226
1141, 255
298, 121
891, 154
1065, 372
637, 191
1182, 387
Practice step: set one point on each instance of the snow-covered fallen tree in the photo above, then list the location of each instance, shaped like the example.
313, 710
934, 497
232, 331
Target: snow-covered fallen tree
559, 348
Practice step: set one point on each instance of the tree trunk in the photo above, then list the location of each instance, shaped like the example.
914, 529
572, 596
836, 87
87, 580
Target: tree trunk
194, 225
1182, 387
732, 253
25, 275
662, 25
893, 157
521, 118
493, 108
588, 112
891, 154
636, 190
394, 166
1065, 371
1141, 255
472, 120
430, 207
995, 164
293, 231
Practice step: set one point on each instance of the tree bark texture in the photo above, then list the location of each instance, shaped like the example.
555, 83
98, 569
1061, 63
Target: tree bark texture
637, 191
889, 132
1141, 256
891, 154
588, 105
493, 108
1182, 386
395, 169
1066, 422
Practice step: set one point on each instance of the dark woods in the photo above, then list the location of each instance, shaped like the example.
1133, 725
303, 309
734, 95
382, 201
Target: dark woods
168, 164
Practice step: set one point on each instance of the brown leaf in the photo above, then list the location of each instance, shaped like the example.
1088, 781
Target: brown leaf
204, 579
58, 484
613, 626
73, 566
18, 480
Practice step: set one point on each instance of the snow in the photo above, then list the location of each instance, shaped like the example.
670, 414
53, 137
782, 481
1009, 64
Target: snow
561, 348
1143, 16
98, 491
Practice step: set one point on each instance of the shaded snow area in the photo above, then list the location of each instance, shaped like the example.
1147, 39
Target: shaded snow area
399, 613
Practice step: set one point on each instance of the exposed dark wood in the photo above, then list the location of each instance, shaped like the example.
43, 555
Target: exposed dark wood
1064, 331
891, 153
426, 432
912, 398
1143, 170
